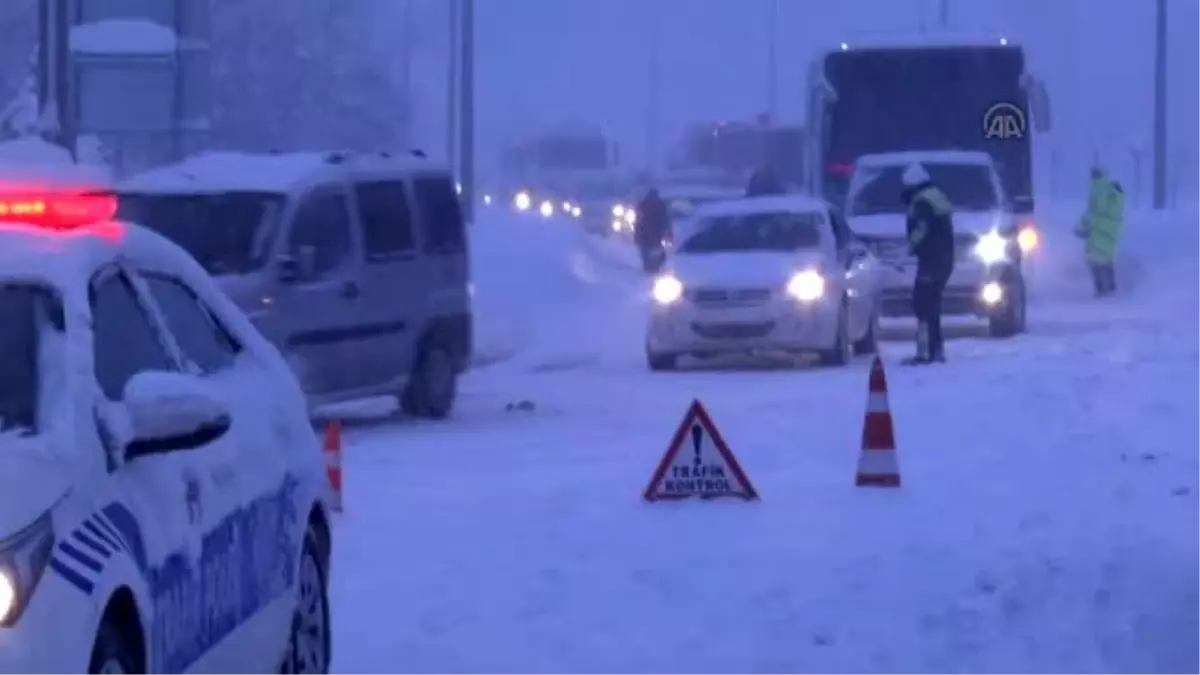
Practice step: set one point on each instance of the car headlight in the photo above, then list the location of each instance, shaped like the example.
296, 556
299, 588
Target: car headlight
991, 293
23, 559
667, 290
618, 211
523, 201
630, 217
807, 286
546, 209
992, 248
1028, 239
576, 211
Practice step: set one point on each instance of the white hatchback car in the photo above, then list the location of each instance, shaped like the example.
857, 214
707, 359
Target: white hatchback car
164, 502
764, 274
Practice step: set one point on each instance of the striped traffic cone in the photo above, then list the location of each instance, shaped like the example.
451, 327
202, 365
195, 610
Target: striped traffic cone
877, 465
332, 450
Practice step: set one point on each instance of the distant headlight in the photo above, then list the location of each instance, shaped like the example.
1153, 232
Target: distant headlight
1028, 239
487, 199
618, 211
992, 248
630, 217
576, 211
546, 209
667, 290
523, 201
807, 286
566, 206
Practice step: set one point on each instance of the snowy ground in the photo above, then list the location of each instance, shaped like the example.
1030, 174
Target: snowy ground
1048, 520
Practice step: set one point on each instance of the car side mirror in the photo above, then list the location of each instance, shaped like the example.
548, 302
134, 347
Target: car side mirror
171, 411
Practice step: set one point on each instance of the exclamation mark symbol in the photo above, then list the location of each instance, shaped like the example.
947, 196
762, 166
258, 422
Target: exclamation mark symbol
697, 439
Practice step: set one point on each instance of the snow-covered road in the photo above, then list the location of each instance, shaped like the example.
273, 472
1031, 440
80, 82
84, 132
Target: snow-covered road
1048, 519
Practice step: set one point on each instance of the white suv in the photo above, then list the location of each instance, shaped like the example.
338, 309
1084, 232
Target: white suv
163, 506
988, 280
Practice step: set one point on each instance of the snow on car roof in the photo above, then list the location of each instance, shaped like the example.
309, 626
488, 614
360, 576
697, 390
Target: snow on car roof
123, 37
61, 258
796, 203
976, 157
232, 171
699, 191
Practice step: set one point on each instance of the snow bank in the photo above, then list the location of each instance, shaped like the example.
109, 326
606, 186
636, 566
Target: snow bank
534, 282
123, 37
32, 160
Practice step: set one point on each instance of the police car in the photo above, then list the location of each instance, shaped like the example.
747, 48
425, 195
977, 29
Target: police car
163, 500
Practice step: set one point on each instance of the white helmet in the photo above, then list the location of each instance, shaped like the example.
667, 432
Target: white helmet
914, 175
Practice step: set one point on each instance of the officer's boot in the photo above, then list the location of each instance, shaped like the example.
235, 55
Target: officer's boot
937, 344
922, 357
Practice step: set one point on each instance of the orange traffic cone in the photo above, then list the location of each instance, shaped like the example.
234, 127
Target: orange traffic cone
877, 466
332, 451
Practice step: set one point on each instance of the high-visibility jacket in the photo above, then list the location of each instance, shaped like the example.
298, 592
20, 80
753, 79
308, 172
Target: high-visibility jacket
1102, 222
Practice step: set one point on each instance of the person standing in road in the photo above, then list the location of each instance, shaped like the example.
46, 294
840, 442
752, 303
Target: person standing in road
931, 239
764, 181
1100, 228
651, 228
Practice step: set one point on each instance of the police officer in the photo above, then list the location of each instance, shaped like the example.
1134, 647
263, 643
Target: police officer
1101, 227
651, 228
931, 239
764, 181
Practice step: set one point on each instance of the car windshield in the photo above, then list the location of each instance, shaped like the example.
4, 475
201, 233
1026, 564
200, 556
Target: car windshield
753, 232
227, 232
28, 316
969, 187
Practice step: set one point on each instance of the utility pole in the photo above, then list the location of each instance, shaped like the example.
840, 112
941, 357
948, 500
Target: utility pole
406, 72
1160, 105
652, 94
944, 14
467, 132
452, 67
773, 63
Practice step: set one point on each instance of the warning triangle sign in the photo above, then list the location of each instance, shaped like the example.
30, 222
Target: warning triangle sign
698, 463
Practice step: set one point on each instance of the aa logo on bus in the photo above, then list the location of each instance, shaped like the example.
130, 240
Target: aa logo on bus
1004, 121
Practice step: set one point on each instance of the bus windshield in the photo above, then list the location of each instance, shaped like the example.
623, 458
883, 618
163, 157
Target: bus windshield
880, 189
890, 100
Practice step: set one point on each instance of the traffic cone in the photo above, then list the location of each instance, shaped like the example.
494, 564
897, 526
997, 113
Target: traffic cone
332, 450
877, 465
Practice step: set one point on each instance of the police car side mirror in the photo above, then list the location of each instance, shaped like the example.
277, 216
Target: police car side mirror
171, 411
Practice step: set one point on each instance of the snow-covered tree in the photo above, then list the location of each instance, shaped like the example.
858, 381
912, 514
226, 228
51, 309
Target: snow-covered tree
315, 76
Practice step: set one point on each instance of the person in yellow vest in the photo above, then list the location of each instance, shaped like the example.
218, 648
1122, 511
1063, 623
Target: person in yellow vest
1101, 227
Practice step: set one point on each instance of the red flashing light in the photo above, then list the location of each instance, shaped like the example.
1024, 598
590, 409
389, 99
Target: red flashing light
839, 168
58, 211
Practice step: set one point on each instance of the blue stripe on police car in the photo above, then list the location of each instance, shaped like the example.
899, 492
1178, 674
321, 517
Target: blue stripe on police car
81, 556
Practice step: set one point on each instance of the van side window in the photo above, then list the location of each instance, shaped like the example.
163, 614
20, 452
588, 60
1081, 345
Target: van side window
201, 338
124, 340
322, 225
441, 215
386, 218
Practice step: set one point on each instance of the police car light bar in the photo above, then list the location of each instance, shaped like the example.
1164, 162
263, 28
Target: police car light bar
58, 211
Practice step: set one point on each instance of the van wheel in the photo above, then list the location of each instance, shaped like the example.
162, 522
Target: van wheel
433, 386
309, 648
112, 653
660, 362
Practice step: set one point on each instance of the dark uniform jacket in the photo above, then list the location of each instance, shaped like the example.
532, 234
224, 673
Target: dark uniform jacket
930, 230
653, 221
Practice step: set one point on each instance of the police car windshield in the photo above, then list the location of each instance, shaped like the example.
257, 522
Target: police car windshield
968, 187
29, 317
753, 232
227, 232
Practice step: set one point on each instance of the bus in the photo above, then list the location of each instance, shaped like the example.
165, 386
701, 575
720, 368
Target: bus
561, 169
924, 94
733, 150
